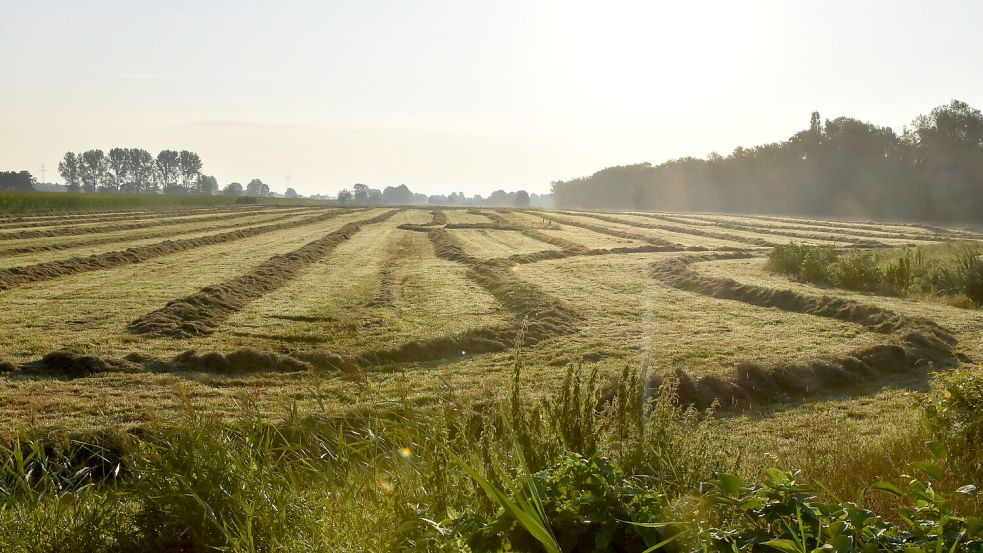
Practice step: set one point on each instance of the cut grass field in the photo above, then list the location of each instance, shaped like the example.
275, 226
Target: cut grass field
381, 289
363, 313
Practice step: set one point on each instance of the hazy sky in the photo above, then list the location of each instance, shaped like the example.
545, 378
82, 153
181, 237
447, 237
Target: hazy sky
462, 95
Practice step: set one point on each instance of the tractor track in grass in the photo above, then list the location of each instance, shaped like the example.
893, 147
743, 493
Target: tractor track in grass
749, 240
73, 231
20, 276
203, 311
911, 344
62, 246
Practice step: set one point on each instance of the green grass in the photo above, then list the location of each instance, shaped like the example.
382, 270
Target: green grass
22, 203
589, 467
362, 456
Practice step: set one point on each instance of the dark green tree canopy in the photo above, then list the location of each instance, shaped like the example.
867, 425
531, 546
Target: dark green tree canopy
16, 181
842, 167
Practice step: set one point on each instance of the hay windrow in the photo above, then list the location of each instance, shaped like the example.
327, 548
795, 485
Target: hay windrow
872, 226
61, 246
608, 231
847, 234
856, 242
67, 363
538, 316
101, 229
483, 226
538, 235
246, 360
19, 276
750, 240
913, 344
26, 223
438, 217
386, 294
202, 312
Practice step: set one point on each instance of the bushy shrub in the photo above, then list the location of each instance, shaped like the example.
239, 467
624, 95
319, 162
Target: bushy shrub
816, 263
857, 271
899, 275
787, 258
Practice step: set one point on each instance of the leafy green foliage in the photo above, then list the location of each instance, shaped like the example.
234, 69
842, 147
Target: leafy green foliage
787, 258
785, 515
961, 273
590, 505
954, 412
856, 271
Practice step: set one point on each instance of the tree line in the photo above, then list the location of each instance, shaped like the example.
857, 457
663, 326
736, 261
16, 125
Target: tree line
16, 181
932, 170
136, 171
362, 194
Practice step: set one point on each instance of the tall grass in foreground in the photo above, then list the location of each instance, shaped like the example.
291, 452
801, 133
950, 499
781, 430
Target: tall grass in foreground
23, 203
595, 466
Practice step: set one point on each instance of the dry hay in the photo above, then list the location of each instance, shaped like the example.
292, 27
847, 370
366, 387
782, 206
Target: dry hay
848, 234
61, 246
913, 344
72, 231
535, 234
688, 229
67, 363
19, 276
608, 231
246, 360
202, 312
856, 242
25, 223
438, 217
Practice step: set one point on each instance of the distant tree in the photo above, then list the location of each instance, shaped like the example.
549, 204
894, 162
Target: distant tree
207, 185
522, 198
143, 171
500, 198
93, 170
360, 193
290, 193
16, 181
437, 199
399, 195
257, 187
118, 174
68, 168
345, 196
168, 171
232, 189
189, 166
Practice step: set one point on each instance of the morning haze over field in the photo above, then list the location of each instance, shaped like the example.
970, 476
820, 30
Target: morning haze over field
558, 277
463, 96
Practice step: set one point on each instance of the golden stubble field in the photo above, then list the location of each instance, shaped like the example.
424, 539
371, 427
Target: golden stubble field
118, 319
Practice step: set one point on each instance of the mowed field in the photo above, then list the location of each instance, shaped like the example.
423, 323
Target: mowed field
120, 318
